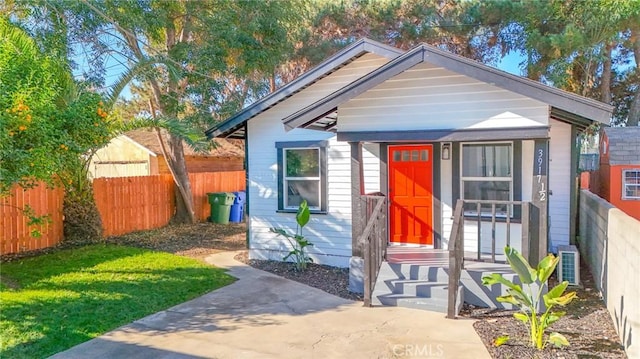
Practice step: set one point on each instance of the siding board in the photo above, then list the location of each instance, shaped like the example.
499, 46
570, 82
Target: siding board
442, 100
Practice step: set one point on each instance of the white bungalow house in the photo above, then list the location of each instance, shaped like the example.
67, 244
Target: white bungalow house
422, 128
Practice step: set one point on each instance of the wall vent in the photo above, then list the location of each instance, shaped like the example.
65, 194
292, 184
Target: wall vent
569, 266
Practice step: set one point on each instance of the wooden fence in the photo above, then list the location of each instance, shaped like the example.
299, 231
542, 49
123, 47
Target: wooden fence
206, 182
16, 235
126, 204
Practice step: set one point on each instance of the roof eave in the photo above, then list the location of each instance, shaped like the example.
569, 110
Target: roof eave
323, 69
581, 108
567, 101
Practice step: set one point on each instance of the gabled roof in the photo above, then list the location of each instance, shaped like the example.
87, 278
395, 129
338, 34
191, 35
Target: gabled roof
333, 63
564, 105
624, 145
148, 140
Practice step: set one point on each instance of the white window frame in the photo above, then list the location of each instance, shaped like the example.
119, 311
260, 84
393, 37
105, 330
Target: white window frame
286, 179
488, 179
625, 184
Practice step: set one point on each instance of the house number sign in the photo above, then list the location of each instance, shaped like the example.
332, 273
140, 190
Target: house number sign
540, 169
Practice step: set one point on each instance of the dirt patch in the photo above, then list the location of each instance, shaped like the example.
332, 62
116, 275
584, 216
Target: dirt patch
587, 325
190, 240
9, 283
329, 279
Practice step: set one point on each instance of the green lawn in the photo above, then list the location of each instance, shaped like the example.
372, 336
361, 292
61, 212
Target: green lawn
55, 301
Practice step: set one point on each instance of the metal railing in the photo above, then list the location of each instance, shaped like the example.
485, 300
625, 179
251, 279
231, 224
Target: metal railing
374, 238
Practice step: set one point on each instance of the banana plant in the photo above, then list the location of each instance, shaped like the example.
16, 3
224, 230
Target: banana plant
528, 298
297, 241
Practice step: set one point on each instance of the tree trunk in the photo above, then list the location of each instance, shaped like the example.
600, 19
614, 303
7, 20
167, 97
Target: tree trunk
605, 83
185, 212
634, 110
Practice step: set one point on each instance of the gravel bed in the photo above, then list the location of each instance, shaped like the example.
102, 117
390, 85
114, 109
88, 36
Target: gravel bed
332, 280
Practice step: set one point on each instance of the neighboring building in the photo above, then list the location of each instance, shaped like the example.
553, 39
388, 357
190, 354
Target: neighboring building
138, 153
423, 127
618, 179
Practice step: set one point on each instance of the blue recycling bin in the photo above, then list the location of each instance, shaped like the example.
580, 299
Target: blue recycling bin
236, 215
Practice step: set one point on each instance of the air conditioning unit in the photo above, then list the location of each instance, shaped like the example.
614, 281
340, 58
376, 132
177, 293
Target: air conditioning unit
569, 266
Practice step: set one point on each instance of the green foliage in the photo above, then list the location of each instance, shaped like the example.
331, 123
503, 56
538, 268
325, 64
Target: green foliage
297, 241
59, 300
529, 300
46, 121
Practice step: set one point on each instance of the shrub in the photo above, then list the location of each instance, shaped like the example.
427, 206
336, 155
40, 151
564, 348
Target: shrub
297, 241
528, 299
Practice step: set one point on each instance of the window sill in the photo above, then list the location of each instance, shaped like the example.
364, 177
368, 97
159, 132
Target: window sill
312, 211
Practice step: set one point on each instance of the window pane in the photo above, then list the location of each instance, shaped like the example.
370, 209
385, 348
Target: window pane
415, 156
486, 160
297, 190
303, 163
424, 156
405, 156
632, 177
632, 191
487, 191
396, 156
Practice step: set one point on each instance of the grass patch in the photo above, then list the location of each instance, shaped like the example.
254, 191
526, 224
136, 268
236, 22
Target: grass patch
58, 300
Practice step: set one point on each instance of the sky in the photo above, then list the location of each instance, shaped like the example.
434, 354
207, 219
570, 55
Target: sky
116, 65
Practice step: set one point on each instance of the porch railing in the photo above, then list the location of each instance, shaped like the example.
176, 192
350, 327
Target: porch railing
530, 225
456, 257
374, 238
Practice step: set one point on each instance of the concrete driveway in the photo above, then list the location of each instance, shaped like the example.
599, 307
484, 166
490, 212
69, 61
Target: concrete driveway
265, 316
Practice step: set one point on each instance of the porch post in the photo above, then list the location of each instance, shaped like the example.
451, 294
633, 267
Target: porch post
357, 187
540, 199
358, 222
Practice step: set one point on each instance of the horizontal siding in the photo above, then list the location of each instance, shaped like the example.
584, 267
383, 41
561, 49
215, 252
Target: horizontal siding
559, 183
322, 88
471, 227
330, 233
471, 236
434, 98
371, 167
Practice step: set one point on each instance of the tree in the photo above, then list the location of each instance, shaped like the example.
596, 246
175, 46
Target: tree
197, 61
47, 121
451, 25
583, 47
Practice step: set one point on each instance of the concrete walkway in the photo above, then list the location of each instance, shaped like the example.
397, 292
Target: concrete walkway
265, 316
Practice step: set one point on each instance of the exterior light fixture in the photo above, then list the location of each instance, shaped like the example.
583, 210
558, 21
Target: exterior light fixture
446, 151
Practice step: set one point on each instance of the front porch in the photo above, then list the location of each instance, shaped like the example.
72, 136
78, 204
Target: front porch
439, 279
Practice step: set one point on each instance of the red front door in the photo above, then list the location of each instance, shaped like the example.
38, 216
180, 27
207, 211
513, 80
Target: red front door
410, 194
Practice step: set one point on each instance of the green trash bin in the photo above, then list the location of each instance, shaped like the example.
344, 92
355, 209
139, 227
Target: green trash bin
220, 206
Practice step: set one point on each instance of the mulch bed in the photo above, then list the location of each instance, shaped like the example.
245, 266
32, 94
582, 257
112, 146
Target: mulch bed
329, 279
587, 325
